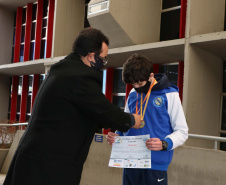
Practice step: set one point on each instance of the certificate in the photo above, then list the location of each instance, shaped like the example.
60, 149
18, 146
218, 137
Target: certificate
130, 152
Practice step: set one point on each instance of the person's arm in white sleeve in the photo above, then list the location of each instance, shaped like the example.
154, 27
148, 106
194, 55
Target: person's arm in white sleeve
178, 121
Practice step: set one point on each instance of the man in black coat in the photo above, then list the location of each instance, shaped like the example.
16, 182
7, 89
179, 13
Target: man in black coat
67, 110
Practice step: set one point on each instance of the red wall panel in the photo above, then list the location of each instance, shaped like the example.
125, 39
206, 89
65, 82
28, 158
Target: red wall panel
50, 28
182, 35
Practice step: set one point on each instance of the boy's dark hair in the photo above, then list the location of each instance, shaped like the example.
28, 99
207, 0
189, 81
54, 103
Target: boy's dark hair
136, 68
89, 40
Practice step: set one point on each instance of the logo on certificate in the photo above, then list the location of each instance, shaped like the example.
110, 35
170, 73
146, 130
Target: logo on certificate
145, 139
118, 163
118, 140
130, 163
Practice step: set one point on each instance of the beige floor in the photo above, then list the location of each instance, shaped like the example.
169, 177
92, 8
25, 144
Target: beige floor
2, 178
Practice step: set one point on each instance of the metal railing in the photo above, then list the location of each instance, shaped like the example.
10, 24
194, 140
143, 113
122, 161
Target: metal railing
14, 124
205, 137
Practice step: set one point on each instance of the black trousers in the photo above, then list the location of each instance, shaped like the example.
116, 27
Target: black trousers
144, 177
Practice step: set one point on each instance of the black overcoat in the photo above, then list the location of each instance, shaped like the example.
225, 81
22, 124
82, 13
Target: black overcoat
68, 107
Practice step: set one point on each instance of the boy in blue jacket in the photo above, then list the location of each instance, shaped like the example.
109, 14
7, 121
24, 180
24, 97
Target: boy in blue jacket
158, 103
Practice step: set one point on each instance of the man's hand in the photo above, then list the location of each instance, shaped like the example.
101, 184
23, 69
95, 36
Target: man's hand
137, 121
154, 144
111, 137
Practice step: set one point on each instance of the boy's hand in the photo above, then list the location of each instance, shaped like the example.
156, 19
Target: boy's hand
154, 144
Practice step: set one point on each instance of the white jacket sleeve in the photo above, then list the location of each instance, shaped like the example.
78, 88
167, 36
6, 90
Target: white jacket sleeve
126, 107
177, 119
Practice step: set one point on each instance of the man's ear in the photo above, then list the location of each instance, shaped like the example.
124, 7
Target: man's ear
90, 57
151, 77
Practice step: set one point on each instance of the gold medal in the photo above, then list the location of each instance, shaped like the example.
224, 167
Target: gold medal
142, 124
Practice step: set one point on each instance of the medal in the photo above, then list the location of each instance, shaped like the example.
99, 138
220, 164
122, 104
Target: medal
141, 104
142, 124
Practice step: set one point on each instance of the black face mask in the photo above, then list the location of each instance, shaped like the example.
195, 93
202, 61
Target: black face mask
99, 64
144, 89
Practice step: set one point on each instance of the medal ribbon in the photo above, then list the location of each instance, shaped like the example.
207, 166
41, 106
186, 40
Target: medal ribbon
141, 102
